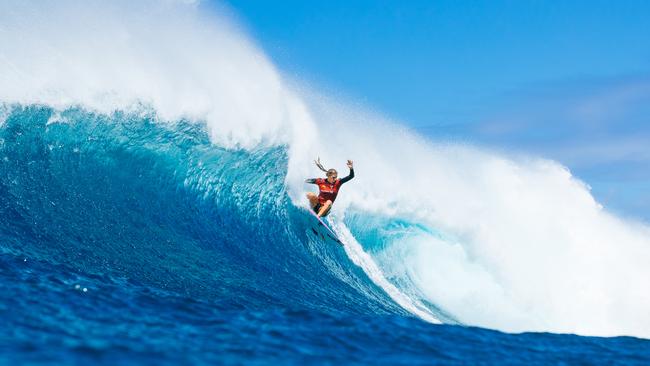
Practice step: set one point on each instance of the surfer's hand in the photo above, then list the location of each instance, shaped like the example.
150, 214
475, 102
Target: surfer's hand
350, 164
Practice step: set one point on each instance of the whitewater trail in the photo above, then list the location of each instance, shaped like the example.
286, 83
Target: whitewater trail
359, 257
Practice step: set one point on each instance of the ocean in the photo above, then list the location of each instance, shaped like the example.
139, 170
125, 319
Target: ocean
153, 212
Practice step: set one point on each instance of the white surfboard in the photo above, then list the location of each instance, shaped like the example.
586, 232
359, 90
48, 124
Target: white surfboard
329, 232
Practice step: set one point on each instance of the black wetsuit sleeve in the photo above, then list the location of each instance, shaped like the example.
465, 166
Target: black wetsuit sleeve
350, 176
311, 181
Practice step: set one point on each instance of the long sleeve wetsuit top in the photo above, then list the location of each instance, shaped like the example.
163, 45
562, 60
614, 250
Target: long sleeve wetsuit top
328, 191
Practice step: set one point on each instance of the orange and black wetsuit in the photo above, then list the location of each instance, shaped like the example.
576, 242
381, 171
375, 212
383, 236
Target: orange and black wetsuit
328, 191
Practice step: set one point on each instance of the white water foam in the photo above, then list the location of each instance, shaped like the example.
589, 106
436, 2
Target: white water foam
183, 60
362, 259
533, 249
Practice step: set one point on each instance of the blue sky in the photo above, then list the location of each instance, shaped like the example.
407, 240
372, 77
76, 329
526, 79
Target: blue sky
568, 80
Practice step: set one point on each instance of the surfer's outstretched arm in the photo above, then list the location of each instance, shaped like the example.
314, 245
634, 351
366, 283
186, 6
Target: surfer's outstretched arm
311, 181
351, 175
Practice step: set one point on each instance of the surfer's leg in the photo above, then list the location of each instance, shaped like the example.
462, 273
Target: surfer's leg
313, 199
325, 209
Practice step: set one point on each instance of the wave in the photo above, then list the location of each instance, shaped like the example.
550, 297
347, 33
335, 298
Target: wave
161, 205
160, 144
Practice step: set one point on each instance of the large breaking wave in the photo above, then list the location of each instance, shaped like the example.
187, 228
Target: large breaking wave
154, 141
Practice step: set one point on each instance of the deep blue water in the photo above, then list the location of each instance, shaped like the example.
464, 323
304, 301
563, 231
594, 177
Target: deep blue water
126, 240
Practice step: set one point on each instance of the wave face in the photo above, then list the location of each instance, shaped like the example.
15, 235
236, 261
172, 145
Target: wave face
159, 204
159, 149
122, 233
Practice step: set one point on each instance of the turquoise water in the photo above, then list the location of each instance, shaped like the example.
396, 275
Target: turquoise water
126, 240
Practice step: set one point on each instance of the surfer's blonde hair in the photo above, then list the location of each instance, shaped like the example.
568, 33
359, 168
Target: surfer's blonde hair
330, 171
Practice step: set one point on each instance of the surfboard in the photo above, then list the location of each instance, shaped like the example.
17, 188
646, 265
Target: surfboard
328, 231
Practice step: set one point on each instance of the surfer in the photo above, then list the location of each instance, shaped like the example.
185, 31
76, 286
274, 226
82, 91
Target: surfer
328, 189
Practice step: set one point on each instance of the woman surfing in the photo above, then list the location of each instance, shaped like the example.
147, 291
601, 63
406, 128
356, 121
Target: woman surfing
328, 189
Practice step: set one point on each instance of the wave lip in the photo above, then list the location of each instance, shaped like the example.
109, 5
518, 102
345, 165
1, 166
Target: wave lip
186, 61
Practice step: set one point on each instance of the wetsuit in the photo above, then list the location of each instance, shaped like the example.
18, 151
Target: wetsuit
327, 190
